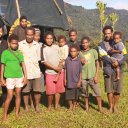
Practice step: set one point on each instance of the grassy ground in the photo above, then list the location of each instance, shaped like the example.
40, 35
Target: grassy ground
75, 119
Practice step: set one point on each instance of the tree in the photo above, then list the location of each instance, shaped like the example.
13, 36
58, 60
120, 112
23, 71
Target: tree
114, 18
103, 18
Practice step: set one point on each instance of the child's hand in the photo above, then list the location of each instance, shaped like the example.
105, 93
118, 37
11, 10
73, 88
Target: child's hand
83, 61
58, 69
65, 83
3, 82
79, 84
96, 80
25, 81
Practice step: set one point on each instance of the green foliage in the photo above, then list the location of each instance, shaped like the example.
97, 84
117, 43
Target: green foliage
101, 7
114, 18
103, 18
76, 119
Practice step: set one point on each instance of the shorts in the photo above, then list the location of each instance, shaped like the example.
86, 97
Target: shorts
12, 83
34, 84
52, 87
72, 94
95, 88
111, 85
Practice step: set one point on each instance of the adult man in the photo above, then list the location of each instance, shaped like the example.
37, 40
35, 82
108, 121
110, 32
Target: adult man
112, 88
31, 53
3, 46
20, 29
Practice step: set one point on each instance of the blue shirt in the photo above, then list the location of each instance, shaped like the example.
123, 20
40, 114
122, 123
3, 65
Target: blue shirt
73, 70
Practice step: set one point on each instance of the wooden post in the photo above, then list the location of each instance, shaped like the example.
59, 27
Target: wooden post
58, 7
18, 8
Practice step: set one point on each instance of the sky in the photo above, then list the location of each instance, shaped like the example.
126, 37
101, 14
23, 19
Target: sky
91, 4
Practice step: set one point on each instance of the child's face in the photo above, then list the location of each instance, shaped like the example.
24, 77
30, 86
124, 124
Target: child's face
73, 52
37, 37
13, 44
85, 44
49, 40
61, 42
1, 32
117, 38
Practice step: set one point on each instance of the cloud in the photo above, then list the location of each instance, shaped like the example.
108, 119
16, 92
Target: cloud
120, 5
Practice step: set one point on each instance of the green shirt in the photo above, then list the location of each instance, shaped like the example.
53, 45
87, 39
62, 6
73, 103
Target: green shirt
89, 69
12, 64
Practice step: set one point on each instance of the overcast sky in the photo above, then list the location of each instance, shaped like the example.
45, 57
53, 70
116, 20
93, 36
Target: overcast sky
90, 4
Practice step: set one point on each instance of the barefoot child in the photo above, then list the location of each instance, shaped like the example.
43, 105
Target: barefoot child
51, 62
63, 52
117, 52
90, 70
11, 73
73, 75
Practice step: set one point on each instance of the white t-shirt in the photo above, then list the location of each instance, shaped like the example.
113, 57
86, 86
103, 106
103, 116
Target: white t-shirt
51, 56
31, 55
63, 52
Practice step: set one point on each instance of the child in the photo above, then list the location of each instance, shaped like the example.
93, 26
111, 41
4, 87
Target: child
73, 75
51, 61
11, 73
90, 70
117, 52
63, 52
37, 36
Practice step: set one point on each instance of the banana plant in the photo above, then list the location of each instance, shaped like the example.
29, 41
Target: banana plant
103, 18
114, 18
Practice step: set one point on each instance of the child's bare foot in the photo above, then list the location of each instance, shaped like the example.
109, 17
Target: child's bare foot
17, 115
26, 109
38, 110
115, 110
32, 106
70, 108
101, 110
55, 81
49, 109
86, 108
4, 118
110, 110
56, 107
77, 104
118, 78
74, 107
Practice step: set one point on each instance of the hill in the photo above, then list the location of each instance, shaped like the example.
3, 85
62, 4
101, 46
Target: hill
87, 22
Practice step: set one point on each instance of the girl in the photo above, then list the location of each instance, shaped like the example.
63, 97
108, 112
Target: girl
51, 61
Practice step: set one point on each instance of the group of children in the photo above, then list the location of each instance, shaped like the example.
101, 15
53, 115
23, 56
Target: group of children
68, 68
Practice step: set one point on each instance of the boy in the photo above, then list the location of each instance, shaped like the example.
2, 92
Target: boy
117, 52
63, 52
11, 73
73, 38
73, 75
90, 70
